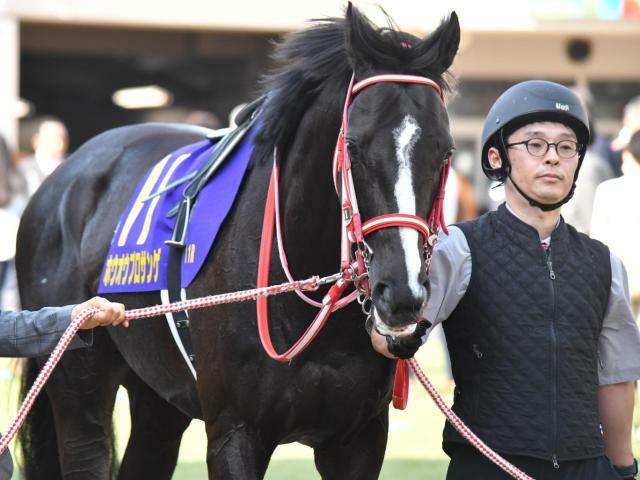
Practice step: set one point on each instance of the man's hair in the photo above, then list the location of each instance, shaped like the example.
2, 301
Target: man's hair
633, 147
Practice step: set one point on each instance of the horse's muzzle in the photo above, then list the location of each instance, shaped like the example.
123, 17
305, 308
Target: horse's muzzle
396, 311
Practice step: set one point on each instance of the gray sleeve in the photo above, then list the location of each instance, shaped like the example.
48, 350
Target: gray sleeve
619, 342
449, 277
32, 334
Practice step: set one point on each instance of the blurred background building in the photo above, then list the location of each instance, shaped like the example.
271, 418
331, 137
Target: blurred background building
96, 65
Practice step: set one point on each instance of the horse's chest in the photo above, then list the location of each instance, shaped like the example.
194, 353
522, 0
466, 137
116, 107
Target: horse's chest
329, 399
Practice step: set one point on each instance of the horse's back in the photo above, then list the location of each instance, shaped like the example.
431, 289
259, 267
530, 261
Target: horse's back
67, 227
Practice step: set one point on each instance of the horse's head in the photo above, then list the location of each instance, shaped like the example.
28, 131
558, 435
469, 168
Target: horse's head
398, 140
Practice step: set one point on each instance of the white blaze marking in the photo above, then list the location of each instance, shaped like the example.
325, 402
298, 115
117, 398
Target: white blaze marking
405, 137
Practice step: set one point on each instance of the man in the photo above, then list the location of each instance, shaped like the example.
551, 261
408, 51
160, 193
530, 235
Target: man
616, 218
12, 201
630, 124
50, 144
543, 344
32, 334
596, 168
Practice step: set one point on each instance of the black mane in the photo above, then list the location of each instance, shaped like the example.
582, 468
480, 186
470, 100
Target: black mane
324, 57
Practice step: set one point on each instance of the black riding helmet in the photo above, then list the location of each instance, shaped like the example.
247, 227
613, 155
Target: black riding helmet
529, 102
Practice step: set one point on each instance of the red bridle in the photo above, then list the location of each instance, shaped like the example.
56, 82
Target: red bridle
353, 268
353, 230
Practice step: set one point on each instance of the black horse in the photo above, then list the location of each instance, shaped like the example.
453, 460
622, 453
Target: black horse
334, 397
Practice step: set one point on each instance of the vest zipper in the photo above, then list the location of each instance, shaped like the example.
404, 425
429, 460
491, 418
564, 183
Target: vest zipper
552, 274
554, 362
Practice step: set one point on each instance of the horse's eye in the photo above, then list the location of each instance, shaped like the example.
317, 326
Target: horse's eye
447, 155
352, 147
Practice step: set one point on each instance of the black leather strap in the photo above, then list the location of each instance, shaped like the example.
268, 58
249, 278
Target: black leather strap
183, 212
181, 319
223, 150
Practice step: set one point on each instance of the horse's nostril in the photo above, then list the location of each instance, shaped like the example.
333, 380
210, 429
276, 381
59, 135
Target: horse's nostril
423, 278
398, 302
382, 292
422, 299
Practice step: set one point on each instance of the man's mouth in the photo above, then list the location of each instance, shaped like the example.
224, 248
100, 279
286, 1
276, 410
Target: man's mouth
550, 176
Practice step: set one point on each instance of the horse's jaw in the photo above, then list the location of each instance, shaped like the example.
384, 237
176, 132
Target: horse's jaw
389, 331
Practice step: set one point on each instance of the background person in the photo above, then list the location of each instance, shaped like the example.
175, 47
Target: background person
595, 169
630, 124
13, 198
616, 216
50, 143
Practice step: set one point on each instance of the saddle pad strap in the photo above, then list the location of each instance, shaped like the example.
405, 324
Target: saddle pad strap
180, 319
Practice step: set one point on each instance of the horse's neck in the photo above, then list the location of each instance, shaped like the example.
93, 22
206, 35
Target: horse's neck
310, 207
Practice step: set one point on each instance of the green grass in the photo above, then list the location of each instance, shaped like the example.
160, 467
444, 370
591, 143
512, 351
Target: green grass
295, 469
413, 450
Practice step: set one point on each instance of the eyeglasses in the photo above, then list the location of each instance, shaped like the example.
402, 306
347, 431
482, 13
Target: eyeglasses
538, 147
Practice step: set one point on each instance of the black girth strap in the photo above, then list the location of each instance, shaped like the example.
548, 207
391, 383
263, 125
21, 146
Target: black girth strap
180, 319
174, 281
183, 213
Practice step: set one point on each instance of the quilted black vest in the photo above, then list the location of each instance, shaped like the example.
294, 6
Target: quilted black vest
524, 339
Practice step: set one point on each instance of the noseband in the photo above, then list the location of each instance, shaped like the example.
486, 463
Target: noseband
354, 267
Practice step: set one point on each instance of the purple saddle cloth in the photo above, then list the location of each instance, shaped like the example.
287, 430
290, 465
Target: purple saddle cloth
138, 256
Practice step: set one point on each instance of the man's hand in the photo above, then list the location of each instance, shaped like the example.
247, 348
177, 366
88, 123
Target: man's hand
406, 346
111, 313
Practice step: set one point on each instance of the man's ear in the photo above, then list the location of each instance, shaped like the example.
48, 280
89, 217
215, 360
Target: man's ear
494, 158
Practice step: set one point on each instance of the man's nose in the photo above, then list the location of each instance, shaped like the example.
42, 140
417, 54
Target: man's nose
552, 155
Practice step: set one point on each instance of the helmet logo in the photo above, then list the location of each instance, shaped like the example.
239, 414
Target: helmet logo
562, 106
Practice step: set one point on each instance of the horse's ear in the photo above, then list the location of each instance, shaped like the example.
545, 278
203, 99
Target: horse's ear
359, 35
365, 45
447, 41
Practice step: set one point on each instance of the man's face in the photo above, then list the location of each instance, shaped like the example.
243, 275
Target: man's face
547, 178
51, 140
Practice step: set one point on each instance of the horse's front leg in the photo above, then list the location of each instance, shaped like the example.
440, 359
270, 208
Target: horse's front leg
357, 457
235, 449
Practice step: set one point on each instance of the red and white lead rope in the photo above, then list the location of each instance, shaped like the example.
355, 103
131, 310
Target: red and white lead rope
458, 424
157, 310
